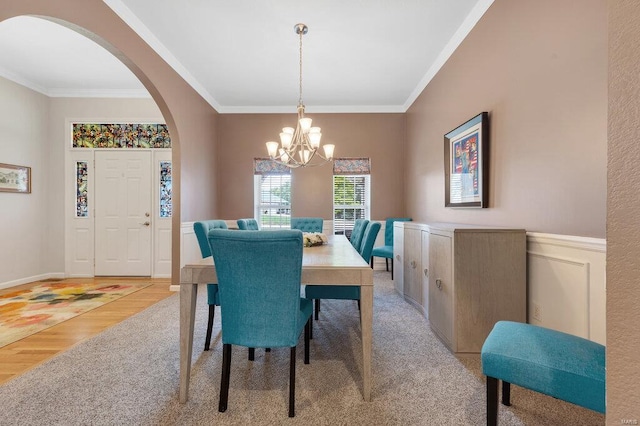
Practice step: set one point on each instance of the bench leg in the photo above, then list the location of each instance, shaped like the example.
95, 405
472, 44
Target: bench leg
506, 393
492, 401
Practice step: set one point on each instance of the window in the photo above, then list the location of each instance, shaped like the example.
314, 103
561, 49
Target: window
351, 193
272, 194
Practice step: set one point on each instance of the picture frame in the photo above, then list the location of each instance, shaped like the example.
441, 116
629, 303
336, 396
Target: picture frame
15, 178
466, 163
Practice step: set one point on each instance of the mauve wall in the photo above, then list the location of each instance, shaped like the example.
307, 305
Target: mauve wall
540, 69
623, 225
378, 136
191, 120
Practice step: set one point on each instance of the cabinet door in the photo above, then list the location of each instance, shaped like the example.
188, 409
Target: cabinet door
412, 265
398, 257
425, 273
441, 287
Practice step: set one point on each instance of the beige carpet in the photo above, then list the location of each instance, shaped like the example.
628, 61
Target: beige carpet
128, 375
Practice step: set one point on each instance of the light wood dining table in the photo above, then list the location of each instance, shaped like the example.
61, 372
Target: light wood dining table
335, 263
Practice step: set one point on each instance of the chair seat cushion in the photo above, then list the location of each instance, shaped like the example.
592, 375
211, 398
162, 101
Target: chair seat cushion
348, 292
551, 362
383, 251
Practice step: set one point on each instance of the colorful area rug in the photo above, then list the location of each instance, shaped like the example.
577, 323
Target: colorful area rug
28, 311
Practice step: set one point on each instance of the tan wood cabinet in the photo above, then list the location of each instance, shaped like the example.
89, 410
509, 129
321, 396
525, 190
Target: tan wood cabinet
425, 272
409, 263
476, 277
398, 257
413, 265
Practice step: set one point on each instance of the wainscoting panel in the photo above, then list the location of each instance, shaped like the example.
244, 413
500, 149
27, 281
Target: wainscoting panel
565, 278
566, 284
189, 249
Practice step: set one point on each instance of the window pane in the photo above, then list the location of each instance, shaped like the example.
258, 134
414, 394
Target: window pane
273, 200
350, 201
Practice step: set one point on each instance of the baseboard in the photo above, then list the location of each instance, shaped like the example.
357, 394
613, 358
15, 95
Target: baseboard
174, 287
34, 278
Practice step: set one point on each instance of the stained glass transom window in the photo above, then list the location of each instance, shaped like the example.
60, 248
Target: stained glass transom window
124, 135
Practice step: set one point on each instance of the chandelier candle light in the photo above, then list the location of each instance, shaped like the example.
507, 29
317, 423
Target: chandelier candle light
304, 141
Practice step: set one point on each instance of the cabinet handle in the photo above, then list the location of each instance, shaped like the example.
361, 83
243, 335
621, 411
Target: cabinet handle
413, 264
426, 272
439, 284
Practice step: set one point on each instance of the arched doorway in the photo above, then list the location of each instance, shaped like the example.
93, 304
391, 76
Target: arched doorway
64, 78
188, 116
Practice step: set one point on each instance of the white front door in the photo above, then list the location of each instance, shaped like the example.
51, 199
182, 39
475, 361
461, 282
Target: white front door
123, 213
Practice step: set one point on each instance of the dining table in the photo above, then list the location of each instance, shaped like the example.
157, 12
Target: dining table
335, 263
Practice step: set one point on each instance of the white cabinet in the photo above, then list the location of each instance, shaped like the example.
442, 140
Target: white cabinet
477, 276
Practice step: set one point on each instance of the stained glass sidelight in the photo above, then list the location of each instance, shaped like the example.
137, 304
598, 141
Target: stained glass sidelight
82, 200
165, 189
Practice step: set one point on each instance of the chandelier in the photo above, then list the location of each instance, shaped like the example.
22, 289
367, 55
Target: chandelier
299, 146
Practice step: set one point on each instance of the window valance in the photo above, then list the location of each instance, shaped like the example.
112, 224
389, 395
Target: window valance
352, 166
266, 166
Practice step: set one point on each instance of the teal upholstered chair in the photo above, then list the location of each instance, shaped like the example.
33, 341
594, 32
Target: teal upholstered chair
358, 232
259, 276
386, 250
349, 292
248, 224
307, 224
201, 230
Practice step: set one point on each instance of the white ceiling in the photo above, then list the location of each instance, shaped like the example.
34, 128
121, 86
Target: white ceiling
242, 55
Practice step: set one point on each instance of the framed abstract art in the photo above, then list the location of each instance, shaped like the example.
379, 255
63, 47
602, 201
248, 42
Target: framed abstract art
466, 162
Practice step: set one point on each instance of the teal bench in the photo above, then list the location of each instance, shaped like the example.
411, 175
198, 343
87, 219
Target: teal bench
557, 364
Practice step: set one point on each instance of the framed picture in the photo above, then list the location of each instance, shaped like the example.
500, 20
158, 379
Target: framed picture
466, 162
15, 178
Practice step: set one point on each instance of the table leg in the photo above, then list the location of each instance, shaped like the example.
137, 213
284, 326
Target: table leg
366, 310
188, 295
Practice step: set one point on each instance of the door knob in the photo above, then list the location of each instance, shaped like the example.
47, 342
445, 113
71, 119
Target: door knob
146, 214
439, 284
147, 223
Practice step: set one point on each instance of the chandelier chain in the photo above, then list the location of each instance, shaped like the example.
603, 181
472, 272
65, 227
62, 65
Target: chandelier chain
300, 98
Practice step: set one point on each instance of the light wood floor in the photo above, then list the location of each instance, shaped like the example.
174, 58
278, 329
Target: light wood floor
18, 357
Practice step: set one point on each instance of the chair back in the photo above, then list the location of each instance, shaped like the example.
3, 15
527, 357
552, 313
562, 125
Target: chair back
259, 275
369, 238
248, 224
358, 232
388, 228
307, 224
202, 229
